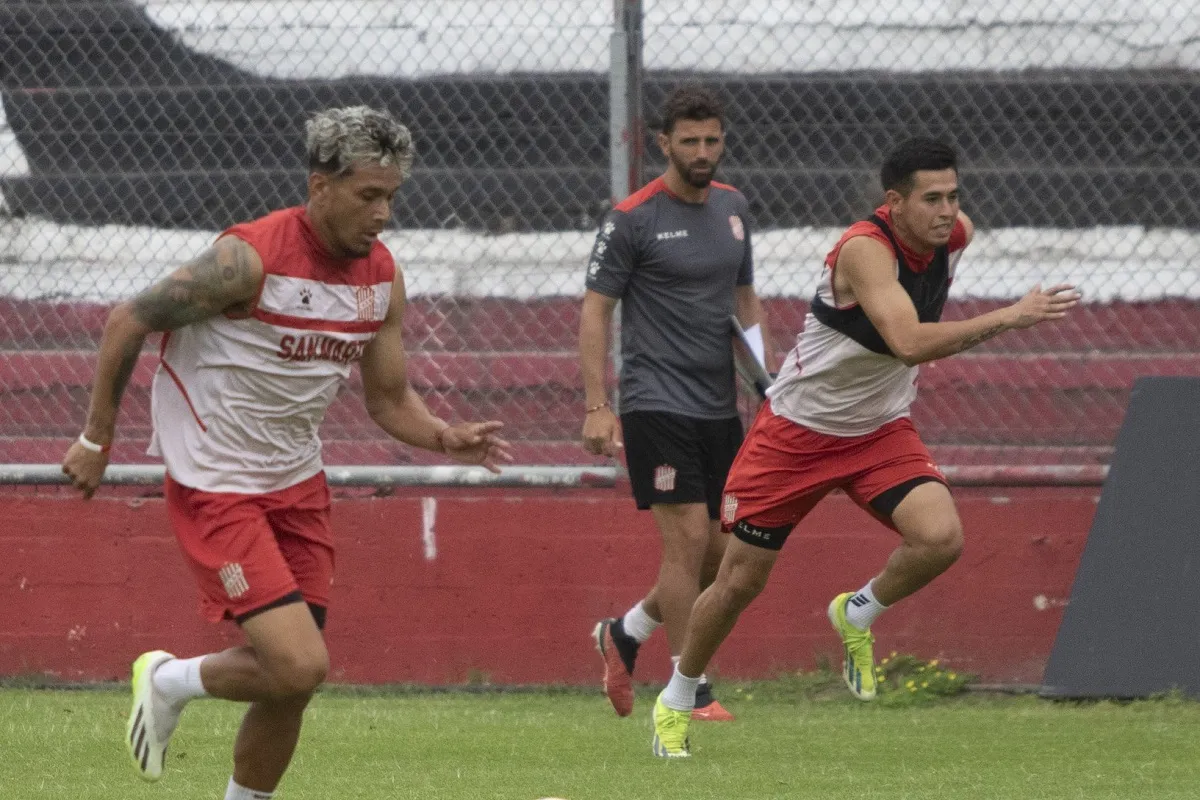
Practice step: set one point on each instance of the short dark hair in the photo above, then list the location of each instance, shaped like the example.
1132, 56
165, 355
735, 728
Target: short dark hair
918, 153
691, 102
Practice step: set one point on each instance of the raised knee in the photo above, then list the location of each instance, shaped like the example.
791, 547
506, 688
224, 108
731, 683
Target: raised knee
301, 676
946, 541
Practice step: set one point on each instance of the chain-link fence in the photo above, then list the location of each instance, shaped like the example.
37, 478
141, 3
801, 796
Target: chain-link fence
136, 131
133, 132
1077, 128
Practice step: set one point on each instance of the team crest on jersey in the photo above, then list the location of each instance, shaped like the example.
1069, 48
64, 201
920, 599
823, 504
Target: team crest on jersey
729, 509
735, 224
366, 303
664, 478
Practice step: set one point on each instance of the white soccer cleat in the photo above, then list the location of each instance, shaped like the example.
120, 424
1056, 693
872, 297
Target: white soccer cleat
151, 719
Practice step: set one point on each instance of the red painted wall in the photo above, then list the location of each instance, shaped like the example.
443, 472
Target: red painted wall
517, 582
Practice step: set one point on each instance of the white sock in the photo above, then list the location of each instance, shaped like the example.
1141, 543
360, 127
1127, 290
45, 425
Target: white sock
862, 609
178, 680
675, 663
680, 693
639, 624
235, 792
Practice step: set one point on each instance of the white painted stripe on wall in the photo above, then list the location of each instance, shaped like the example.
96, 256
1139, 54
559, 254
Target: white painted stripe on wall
334, 38
12, 157
428, 520
43, 260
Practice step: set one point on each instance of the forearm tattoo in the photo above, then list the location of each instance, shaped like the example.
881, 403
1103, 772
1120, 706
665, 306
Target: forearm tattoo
220, 278
980, 338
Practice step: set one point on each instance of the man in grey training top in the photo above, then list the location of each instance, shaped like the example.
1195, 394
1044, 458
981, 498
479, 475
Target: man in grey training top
677, 254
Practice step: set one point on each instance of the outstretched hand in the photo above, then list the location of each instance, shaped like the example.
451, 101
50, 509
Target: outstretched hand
1044, 305
476, 443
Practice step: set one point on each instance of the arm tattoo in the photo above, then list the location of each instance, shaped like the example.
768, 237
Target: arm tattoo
218, 279
979, 338
125, 368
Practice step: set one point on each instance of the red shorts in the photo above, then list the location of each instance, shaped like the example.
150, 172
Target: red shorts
248, 551
784, 469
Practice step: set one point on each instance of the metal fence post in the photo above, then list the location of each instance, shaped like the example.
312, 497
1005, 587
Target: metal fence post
625, 125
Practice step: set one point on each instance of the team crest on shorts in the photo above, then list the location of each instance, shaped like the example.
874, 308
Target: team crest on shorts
234, 580
664, 478
729, 509
735, 224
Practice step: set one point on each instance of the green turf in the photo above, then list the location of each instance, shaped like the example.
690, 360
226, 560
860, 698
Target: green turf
790, 741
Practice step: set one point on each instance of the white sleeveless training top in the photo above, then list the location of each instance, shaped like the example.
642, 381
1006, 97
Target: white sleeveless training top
831, 383
237, 403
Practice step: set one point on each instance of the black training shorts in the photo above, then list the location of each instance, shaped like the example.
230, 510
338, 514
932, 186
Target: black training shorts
675, 459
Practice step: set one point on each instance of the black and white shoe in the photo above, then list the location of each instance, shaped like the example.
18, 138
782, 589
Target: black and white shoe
151, 719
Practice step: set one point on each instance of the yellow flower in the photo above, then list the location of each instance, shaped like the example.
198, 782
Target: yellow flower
933, 663
952, 676
911, 684
925, 684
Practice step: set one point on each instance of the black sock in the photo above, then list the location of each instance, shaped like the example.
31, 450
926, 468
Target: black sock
627, 646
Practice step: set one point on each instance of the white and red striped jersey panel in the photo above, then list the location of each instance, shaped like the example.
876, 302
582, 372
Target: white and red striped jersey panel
237, 402
830, 383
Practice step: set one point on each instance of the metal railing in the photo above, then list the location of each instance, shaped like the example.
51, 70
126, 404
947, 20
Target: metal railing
132, 133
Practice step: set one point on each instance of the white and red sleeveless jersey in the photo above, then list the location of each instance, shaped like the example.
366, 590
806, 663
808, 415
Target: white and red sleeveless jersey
841, 379
237, 402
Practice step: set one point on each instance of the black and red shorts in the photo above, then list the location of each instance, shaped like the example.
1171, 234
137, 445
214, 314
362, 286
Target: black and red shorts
783, 470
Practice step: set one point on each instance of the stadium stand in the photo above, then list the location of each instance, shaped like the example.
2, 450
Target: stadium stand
122, 124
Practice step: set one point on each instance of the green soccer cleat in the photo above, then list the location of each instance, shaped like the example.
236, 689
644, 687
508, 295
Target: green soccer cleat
151, 720
671, 731
858, 668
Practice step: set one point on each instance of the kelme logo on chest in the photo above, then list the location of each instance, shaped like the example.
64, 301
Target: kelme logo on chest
671, 235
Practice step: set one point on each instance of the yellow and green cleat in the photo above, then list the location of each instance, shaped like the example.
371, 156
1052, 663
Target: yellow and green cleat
671, 731
858, 668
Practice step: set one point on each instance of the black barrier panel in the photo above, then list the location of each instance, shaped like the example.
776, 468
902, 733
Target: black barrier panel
1132, 626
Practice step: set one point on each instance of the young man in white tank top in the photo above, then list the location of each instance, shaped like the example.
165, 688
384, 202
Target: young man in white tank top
838, 417
259, 333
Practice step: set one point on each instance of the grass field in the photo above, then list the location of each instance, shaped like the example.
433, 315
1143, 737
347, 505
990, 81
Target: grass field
793, 739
